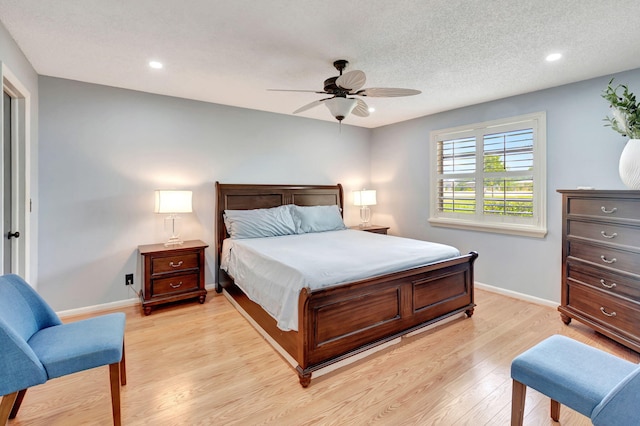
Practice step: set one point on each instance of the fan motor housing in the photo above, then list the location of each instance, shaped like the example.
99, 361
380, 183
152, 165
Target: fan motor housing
330, 85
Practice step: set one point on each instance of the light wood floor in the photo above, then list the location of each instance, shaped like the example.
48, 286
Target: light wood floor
204, 364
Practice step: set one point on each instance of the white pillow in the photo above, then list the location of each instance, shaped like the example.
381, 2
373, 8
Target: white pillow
259, 223
318, 218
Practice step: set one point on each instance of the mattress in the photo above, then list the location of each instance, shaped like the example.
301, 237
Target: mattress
272, 271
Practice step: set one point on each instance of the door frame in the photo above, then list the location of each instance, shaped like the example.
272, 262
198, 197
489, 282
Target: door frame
21, 170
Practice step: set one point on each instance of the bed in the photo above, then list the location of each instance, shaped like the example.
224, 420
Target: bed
338, 322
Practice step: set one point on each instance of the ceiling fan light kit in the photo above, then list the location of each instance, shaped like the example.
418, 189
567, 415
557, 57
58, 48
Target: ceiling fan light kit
349, 84
341, 107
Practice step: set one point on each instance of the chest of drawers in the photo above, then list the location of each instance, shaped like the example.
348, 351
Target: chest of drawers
601, 262
172, 273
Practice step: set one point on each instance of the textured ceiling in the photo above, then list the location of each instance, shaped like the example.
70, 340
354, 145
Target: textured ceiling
457, 52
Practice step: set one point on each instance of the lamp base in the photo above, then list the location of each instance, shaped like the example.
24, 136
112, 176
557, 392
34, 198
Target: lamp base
174, 241
365, 216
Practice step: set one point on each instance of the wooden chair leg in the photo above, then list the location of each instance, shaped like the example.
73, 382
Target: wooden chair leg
518, 394
17, 404
114, 374
555, 410
6, 405
123, 368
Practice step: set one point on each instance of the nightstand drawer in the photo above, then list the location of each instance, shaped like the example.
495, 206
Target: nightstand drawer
161, 265
605, 309
175, 284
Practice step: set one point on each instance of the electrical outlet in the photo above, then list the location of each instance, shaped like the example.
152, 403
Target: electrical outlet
128, 279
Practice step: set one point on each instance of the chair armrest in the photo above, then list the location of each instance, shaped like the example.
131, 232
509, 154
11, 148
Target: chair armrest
19, 365
620, 406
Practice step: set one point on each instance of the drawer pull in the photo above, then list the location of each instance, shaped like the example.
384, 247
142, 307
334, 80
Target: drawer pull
172, 285
612, 314
605, 260
604, 234
604, 210
175, 265
605, 285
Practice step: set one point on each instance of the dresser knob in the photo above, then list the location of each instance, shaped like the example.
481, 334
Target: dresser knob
605, 285
604, 210
605, 260
612, 314
172, 285
175, 265
604, 234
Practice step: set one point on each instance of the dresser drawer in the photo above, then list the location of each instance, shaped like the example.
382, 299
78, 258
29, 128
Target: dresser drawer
175, 284
615, 234
605, 256
604, 280
605, 207
178, 262
605, 309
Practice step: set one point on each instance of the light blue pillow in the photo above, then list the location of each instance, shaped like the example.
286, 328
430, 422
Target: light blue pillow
318, 218
260, 223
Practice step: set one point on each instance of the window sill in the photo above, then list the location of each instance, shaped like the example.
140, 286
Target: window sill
496, 228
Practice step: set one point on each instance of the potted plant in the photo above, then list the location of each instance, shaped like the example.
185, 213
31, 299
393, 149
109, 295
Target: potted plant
625, 119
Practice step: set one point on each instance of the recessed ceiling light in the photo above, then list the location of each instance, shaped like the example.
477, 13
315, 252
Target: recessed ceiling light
155, 65
554, 57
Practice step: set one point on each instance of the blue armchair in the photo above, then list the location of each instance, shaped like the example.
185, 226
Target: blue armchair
599, 385
36, 346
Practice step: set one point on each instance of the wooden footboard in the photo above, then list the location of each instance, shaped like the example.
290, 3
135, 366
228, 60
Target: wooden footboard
345, 320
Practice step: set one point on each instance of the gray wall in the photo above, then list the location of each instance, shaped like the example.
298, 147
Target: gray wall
14, 59
105, 150
580, 152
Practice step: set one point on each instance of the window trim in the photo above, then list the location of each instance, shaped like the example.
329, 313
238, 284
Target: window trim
476, 222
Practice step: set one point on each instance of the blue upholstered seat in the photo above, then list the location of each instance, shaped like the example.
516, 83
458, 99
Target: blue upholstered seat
36, 346
592, 382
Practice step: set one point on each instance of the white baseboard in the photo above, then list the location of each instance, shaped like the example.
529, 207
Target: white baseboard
516, 295
111, 305
99, 308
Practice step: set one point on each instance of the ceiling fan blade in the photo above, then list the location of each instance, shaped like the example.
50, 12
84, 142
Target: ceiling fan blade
310, 105
387, 92
352, 80
361, 109
293, 90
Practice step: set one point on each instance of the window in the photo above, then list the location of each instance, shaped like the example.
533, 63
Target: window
491, 176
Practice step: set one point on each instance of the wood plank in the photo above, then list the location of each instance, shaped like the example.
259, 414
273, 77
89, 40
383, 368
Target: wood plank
204, 364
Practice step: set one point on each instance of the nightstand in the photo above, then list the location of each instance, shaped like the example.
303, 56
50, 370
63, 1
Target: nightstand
376, 229
172, 273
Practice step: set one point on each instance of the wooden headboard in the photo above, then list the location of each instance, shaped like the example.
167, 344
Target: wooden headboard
246, 197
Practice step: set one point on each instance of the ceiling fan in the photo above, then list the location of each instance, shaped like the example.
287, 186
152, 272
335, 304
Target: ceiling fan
345, 85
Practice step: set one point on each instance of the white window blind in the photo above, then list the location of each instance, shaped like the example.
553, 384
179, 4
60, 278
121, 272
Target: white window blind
491, 176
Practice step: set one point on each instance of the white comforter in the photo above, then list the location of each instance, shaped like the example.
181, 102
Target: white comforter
272, 271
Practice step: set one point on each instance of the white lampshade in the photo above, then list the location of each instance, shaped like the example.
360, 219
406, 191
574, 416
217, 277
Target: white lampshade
365, 197
341, 107
169, 201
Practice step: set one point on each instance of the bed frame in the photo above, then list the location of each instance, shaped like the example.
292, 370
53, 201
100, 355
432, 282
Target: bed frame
341, 321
